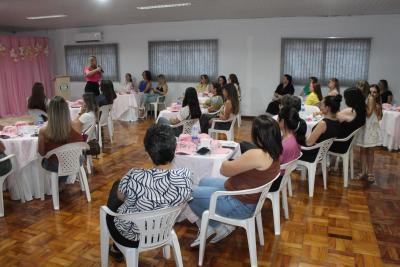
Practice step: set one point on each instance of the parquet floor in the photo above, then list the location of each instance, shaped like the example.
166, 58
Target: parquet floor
358, 226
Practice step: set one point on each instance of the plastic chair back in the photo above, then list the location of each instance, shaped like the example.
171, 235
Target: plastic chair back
69, 157
105, 113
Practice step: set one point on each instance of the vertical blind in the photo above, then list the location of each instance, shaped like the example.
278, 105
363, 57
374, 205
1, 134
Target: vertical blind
76, 58
184, 61
345, 59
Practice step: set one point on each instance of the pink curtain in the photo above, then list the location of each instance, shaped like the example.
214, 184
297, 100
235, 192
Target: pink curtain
23, 61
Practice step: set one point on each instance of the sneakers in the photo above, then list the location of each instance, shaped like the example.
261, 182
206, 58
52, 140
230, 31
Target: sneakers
196, 242
222, 231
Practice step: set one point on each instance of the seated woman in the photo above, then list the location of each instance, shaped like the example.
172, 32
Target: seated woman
252, 169
58, 131
229, 110
216, 101
315, 96
88, 114
203, 86
328, 127
286, 87
5, 166
350, 118
222, 81
334, 87
160, 90
107, 95
145, 87
306, 90
190, 110
129, 85
165, 187
386, 94
38, 100
234, 79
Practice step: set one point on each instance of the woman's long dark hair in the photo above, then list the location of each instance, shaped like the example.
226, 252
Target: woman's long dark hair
147, 74
317, 90
293, 122
107, 89
192, 101
266, 135
355, 99
233, 97
333, 102
289, 78
223, 78
38, 98
234, 79
383, 86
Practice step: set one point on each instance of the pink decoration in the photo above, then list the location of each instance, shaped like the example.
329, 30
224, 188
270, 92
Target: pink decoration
186, 148
10, 130
17, 75
21, 123
184, 138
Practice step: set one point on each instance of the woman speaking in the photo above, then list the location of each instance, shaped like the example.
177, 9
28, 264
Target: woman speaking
93, 74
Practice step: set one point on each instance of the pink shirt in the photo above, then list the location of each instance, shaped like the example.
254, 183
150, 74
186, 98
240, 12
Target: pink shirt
291, 150
94, 78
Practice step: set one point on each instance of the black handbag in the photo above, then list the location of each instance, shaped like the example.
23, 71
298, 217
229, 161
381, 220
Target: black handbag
94, 147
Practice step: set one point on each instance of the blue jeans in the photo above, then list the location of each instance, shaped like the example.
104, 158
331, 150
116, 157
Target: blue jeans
227, 206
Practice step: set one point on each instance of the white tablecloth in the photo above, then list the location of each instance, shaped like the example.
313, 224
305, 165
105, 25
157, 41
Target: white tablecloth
74, 112
203, 166
390, 126
27, 167
125, 108
172, 114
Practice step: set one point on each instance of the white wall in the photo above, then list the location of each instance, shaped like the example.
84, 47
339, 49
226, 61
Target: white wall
250, 48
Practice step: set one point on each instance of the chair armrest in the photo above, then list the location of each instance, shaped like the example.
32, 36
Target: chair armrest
107, 210
218, 120
11, 156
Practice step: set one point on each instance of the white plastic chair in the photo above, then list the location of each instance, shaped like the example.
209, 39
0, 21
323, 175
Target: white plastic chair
69, 163
187, 125
346, 157
105, 120
89, 159
274, 196
309, 110
3, 178
37, 114
230, 134
160, 101
312, 166
156, 230
248, 224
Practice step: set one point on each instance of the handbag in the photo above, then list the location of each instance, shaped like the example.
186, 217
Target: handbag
94, 147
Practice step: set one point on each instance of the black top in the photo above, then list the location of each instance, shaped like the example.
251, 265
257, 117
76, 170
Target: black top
348, 128
289, 89
385, 95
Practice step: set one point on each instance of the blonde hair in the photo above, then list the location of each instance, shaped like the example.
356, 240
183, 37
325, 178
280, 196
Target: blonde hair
59, 124
89, 63
162, 78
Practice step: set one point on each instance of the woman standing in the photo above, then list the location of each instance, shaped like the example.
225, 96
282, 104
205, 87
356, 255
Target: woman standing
370, 136
386, 94
286, 87
93, 75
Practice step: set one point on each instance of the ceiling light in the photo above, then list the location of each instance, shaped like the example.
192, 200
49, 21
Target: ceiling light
163, 6
47, 17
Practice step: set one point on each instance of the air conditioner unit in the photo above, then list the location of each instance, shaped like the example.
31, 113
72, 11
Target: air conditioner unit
88, 37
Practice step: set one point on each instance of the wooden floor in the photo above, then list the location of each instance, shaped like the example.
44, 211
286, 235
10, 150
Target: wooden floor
358, 226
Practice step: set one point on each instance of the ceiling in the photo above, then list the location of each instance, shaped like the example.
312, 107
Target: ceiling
83, 13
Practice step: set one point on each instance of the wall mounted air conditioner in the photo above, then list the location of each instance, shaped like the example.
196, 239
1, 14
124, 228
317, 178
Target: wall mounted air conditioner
88, 37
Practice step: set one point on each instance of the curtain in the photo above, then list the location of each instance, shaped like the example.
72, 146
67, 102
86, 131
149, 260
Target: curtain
76, 58
23, 61
184, 61
345, 59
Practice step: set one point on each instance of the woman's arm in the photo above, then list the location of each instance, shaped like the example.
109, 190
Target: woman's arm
90, 73
316, 133
371, 104
378, 110
251, 159
148, 88
227, 111
2, 147
42, 142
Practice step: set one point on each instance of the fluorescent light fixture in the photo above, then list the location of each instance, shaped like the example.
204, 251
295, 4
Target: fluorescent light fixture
332, 37
47, 17
163, 6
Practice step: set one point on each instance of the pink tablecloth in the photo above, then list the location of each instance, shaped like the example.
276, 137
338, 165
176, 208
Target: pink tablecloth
390, 126
125, 108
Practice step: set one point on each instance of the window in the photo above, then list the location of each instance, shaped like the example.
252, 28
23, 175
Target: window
345, 59
76, 58
184, 61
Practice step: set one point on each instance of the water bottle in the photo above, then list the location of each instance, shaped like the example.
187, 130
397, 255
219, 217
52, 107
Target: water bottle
195, 133
303, 108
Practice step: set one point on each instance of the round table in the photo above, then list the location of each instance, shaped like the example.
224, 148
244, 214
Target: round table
168, 114
390, 129
25, 180
125, 107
